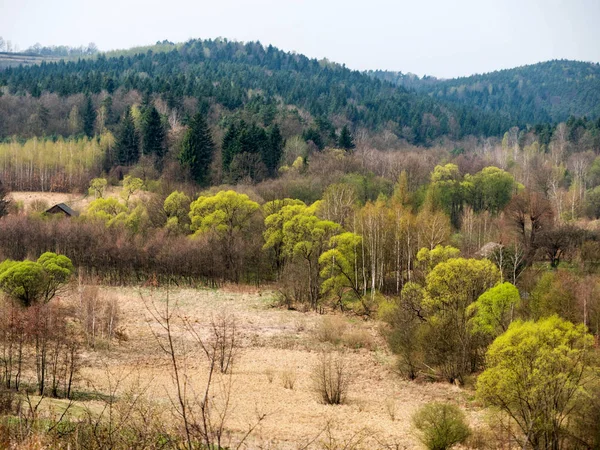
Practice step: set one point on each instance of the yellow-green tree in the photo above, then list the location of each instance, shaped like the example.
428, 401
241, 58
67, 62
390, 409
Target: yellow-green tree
451, 287
277, 213
306, 237
537, 373
177, 207
226, 215
340, 266
494, 310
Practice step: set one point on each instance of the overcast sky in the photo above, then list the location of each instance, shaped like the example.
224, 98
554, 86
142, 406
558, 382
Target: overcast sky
444, 38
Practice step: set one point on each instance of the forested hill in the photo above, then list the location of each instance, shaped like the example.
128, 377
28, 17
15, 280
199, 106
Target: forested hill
546, 92
234, 74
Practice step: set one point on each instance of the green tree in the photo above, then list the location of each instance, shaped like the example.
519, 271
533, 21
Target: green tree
537, 373
177, 207
31, 281
97, 187
490, 190
273, 151
493, 311
345, 140
226, 215
451, 287
197, 150
447, 191
89, 117
130, 186
441, 426
277, 213
306, 237
340, 266
128, 143
58, 270
153, 139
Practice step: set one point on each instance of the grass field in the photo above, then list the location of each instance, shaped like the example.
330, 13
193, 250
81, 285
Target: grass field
275, 344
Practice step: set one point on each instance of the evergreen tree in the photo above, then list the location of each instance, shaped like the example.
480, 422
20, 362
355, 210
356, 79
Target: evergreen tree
197, 149
128, 141
153, 142
89, 117
346, 141
230, 146
273, 150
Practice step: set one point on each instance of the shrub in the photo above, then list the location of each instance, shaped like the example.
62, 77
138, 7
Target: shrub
331, 379
331, 329
441, 426
288, 379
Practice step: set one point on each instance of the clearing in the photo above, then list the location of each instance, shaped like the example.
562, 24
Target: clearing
275, 344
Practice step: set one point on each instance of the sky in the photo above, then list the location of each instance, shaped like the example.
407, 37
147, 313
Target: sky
443, 38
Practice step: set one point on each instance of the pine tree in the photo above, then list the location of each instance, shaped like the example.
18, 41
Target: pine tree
128, 141
89, 117
273, 150
197, 149
154, 134
230, 146
345, 141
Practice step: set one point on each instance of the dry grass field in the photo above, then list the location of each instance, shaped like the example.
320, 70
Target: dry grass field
276, 345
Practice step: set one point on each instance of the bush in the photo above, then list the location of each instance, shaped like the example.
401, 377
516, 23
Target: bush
441, 426
330, 329
331, 379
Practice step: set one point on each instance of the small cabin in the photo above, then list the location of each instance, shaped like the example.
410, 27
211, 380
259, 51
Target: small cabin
64, 209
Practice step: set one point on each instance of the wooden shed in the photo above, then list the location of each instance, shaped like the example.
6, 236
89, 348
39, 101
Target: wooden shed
62, 208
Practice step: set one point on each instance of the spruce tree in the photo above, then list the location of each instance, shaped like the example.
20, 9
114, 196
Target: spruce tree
89, 117
345, 141
153, 134
273, 150
230, 146
197, 150
128, 141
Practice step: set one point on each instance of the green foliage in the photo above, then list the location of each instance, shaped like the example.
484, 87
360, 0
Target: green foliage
242, 140
153, 139
223, 213
536, 373
428, 259
105, 210
97, 187
177, 207
530, 94
130, 186
494, 309
197, 150
128, 142
345, 140
340, 264
29, 281
490, 190
89, 117
441, 426
225, 72
452, 286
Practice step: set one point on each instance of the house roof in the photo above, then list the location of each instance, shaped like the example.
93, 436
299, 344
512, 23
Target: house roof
64, 208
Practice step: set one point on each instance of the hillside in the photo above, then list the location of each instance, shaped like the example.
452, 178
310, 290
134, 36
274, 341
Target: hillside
25, 59
550, 91
233, 75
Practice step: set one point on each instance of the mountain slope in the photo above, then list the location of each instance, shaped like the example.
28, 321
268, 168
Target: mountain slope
545, 92
232, 73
